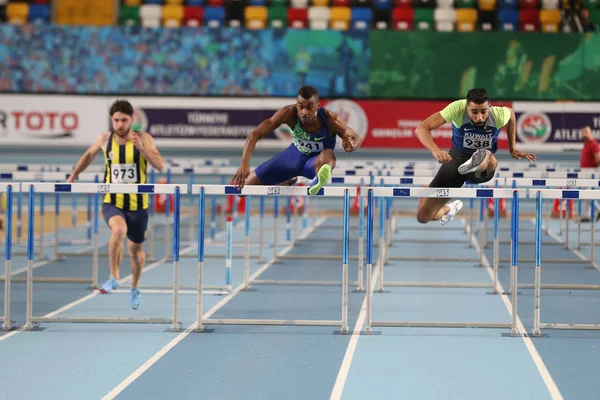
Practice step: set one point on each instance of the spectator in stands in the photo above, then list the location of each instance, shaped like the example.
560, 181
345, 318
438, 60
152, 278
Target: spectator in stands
588, 26
590, 158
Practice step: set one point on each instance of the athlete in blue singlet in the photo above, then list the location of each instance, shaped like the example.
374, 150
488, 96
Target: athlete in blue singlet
314, 133
475, 129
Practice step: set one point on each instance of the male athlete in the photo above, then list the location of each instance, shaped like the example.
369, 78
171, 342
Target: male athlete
475, 129
126, 154
314, 131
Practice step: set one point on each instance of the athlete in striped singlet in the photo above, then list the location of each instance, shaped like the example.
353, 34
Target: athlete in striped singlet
126, 154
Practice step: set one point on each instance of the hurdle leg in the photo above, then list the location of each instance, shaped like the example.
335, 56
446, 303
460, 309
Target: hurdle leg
229, 257
8, 323
496, 245
361, 245
470, 221
199, 299
276, 229
29, 325
515, 259
261, 231
482, 232
344, 325
568, 211
579, 224
247, 255
381, 261
176, 326
592, 234
538, 272
95, 243
42, 226
369, 284
56, 226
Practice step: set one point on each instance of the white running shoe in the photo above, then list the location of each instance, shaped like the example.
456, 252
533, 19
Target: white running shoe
472, 163
455, 207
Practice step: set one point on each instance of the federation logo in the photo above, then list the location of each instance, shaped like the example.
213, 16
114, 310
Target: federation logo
140, 120
534, 127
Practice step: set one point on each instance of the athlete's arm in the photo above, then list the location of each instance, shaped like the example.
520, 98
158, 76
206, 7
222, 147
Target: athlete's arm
423, 132
350, 140
145, 144
87, 157
286, 115
511, 133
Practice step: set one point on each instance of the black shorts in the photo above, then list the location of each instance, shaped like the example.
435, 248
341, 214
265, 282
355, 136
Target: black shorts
137, 221
448, 176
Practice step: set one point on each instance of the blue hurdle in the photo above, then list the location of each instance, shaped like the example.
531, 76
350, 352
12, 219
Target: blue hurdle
407, 192
7, 323
90, 188
273, 191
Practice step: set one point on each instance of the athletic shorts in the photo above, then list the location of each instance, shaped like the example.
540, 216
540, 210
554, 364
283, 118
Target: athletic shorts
286, 165
448, 176
137, 221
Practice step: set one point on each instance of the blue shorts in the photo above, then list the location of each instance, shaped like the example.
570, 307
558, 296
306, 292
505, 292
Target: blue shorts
137, 221
286, 165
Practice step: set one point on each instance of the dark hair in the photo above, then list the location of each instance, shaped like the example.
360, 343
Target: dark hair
121, 106
477, 96
306, 92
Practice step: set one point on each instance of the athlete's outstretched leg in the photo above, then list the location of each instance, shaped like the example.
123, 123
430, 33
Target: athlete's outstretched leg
324, 163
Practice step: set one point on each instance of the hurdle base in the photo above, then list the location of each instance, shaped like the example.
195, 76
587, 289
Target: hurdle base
10, 326
587, 327
99, 320
424, 324
52, 280
298, 283
559, 286
440, 284
549, 261
277, 322
434, 259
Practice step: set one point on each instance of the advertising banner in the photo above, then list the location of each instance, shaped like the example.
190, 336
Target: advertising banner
51, 120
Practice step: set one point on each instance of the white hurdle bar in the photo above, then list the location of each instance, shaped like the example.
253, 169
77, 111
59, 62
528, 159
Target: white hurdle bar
8, 188
540, 194
36, 187
204, 190
406, 192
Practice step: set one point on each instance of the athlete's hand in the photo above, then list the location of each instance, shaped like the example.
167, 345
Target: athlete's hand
519, 154
240, 176
442, 156
348, 144
72, 178
137, 141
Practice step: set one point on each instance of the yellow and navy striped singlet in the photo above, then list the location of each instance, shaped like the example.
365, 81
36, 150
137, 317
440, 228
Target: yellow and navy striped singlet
125, 164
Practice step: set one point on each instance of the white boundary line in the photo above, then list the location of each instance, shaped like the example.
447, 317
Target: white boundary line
340, 381
157, 356
537, 359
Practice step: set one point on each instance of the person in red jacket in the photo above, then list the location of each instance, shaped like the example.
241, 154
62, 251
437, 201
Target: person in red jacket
590, 158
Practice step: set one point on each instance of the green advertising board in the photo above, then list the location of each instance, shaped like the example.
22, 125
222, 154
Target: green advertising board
511, 66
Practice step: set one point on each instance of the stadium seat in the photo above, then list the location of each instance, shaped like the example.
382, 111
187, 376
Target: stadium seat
297, 18
277, 16
130, 16
214, 17
299, 4
155, 2
216, 3
529, 20
445, 4
487, 21
195, 3
550, 5
17, 13
259, 3
382, 19
178, 2
550, 21
256, 17
318, 17
342, 3
340, 18
466, 18
234, 12
444, 19
507, 4
37, 2
132, 3
151, 15
403, 18
425, 3
2, 14
424, 19
525, 4
320, 3
404, 3
382, 4
39, 13
275, 3
508, 20
362, 18
172, 15
193, 16
466, 3
486, 5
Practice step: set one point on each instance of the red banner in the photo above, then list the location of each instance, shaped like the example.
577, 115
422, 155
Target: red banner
392, 124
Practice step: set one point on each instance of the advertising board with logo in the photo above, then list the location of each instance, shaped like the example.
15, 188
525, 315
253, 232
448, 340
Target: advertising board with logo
51, 120
547, 124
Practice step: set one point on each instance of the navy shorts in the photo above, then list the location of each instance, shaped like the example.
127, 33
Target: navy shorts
137, 221
286, 165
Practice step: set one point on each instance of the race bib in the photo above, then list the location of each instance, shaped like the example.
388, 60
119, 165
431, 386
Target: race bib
123, 173
309, 146
477, 141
